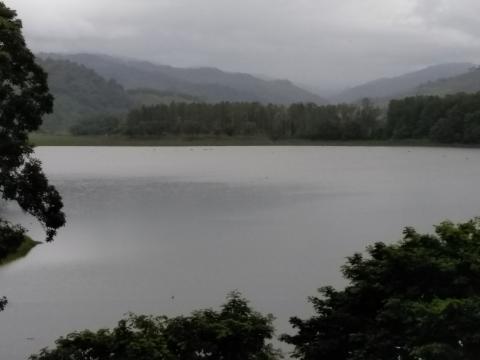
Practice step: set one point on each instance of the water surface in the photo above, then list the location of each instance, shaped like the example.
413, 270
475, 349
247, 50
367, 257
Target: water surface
149, 224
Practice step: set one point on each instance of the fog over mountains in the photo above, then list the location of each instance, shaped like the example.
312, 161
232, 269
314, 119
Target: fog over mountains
209, 84
214, 85
407, 84
85, 85
467, 82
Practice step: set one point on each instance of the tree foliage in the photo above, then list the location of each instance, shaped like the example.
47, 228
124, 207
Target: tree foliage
236, 332
80, 93
97, 125
11, 238
416, 299
449, 119
24, 99
306, 121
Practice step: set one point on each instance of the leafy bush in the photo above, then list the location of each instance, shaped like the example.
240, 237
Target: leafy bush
416, 299
236, 332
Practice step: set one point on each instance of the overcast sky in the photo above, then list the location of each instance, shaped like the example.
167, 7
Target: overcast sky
320, 42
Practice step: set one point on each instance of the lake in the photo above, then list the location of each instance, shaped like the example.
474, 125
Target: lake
170, 230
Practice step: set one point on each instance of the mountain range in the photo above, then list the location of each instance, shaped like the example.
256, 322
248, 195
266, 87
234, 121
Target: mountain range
413, 83
79, 92
468, 82
86, 85
208, 84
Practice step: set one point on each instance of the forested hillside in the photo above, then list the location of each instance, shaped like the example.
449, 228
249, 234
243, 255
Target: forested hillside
210, 84
468, 83
79, 93
385, 89
449, 119
88, 104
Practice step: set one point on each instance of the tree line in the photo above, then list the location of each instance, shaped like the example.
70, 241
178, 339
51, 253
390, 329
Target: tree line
449, 119
309, 121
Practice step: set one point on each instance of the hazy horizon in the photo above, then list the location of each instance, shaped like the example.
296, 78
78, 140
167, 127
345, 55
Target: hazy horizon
317, 44
328, 91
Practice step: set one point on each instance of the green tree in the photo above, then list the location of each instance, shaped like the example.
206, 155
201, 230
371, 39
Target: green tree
80, 93
444, 130
236, 332
97, 125
24, 99
415, 299
472, 128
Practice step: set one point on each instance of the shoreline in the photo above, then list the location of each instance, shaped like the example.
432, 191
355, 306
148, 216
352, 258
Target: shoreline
118, 140
27, 245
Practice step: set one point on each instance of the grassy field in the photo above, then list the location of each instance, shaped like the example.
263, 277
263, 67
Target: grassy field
118, 140
27, 245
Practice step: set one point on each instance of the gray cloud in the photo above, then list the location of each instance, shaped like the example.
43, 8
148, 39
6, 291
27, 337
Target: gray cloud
319, 42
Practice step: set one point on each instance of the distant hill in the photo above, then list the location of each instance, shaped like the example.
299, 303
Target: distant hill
80, 92
468, 82
395, 87
209, 84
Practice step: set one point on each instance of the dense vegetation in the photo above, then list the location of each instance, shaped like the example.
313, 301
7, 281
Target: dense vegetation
308, 121
416, 299
468, 82
236, 332
24, 98
449, 119
88, 104
11, 238
80, 93
97, 125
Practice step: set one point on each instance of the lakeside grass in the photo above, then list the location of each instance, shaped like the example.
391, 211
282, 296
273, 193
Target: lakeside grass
27, 245
38, 139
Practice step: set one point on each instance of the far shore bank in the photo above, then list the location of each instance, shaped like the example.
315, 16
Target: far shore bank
38, 139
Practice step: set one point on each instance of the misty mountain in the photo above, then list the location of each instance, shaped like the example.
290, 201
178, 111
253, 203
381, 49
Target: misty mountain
80, 92
468, 82
209, 84
388, 88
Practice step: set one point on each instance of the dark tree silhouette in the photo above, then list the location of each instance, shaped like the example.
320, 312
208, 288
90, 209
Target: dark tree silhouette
24, 99
416, 299
236, 332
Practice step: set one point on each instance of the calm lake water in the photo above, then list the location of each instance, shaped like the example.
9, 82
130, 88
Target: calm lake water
169, 230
